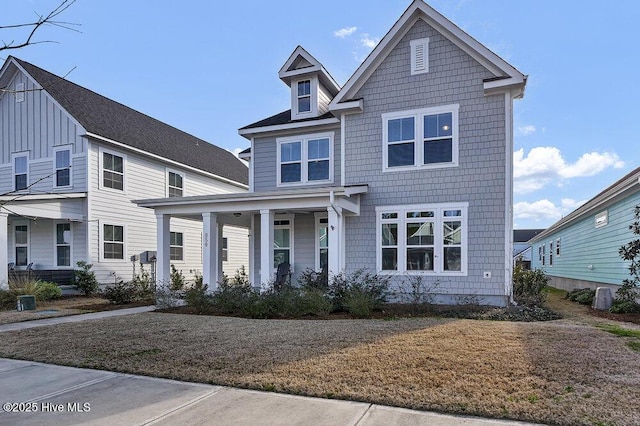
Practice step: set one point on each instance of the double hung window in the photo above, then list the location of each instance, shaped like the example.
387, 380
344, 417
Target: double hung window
322, 243
63, 244
176, 246
424, 138
112, 171
20, 171
305, 159
304, 96
282, 241
63, 167
21, 239
113, 242
175, 184
427, 239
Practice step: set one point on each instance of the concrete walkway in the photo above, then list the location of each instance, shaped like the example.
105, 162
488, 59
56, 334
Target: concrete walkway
42, 394
73, 318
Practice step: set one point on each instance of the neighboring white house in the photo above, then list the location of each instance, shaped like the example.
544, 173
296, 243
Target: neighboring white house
72, 160
406, 170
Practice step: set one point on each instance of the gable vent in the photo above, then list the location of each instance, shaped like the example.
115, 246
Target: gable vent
419, 56
19, 92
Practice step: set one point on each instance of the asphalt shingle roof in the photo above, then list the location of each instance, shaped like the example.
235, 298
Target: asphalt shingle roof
283, 118
115, 121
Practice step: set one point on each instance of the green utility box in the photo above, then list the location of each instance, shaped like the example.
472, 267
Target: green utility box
26, 303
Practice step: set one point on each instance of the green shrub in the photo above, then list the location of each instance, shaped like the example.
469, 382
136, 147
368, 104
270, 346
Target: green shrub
626, 300
309, 278
624, 307
7, 300
528, 286
197, 298
144, 286
313, 301
359, 302
583, 296
354, 285
121, 293
177, 279
84, 279
231, 298
284, 303
240, 278
47, 291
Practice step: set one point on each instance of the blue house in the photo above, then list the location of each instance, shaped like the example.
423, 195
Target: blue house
581, 250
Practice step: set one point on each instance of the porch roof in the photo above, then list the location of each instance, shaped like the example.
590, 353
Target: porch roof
345, 197
63, 206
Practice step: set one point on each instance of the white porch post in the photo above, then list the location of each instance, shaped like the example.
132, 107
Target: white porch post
211, 248
4, 252
335, 232
163, 260
266, 246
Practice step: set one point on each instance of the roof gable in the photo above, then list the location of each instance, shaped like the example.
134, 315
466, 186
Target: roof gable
302, 63
112, 121
506, 76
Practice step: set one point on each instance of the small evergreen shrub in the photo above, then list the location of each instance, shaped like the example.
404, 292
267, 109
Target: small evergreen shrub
627, 296
312, 279
583, 296
313, 301
47, 291
233, 298
7, 300
84, 279
144, 286
359, 302
347, 291
177, 279
196, 297
528, 286
121, 293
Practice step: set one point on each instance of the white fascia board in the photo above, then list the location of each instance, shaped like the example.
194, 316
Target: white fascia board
420, 10
166, 160
81, 129
350, 107
597, 203
37, 197
248, 133
506, 84
289, 75
298, 51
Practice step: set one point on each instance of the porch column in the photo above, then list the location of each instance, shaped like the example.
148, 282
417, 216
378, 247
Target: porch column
266, 247
163, 259
211, 248
335, 232
4, 252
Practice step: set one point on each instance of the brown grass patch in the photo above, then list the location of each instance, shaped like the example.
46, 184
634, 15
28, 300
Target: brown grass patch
559, 372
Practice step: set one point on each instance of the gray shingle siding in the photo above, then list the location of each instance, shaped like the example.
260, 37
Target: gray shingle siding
266, 159
453, 78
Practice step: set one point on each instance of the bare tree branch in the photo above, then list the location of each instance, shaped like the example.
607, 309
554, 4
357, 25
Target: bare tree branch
48, 20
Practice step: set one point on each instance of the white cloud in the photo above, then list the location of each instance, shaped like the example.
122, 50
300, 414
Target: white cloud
545, 165
345, 32
368, 41
527, 130
544, 210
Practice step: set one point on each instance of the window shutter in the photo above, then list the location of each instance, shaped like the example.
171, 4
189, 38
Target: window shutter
419, 56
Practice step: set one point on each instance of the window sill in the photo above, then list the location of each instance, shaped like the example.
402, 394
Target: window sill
419, 168
309, 183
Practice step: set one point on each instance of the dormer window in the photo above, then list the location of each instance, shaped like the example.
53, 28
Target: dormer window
304, 96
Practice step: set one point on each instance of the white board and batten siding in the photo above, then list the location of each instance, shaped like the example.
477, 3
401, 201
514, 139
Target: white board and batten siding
145, 178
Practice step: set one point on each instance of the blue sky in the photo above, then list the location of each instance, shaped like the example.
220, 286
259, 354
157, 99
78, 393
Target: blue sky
209, 68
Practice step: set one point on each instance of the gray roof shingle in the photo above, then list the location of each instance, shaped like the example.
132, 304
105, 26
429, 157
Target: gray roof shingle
283, 117
112, 120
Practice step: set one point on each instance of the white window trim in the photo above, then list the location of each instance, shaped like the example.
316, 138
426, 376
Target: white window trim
183, 246
103, 151
295, 115
184, 180
101, 224
225, 249
290, 227
558, 250
19, 92
16, 245
318, 217
418, 147
304, 158
55, 166
551, 253
604, 219
544, 253
438, 243
13, 169
424, 42
56, 245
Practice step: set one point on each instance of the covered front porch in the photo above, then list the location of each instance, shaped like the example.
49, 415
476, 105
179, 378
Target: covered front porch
37, 235
270, 218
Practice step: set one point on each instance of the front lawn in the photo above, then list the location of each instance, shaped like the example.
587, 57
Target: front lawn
559, 372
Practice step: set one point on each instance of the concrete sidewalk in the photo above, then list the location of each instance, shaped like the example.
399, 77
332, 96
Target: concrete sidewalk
43, 394
73, 318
